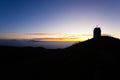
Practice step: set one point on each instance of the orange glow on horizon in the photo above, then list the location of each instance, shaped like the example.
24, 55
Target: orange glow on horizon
59, 40
54, 37
51, 37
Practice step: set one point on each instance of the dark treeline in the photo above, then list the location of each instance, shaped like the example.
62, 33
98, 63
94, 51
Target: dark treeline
94, 59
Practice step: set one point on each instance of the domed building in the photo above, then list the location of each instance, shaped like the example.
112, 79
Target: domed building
97, 32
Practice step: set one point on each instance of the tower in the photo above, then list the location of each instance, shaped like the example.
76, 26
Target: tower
96, 32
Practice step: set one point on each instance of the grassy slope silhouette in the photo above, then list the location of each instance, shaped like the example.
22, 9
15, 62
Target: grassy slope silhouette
94, 59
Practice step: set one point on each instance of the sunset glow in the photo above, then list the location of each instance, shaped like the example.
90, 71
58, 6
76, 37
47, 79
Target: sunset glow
54, 37
58, 20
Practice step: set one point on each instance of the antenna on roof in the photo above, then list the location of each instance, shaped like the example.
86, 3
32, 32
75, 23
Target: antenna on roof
96, 25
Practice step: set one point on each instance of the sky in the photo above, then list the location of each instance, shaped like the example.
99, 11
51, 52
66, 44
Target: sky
58, 20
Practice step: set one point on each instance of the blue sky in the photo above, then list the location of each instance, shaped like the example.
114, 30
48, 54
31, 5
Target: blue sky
71, 17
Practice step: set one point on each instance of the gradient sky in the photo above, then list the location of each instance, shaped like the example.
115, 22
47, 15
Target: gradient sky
58, 19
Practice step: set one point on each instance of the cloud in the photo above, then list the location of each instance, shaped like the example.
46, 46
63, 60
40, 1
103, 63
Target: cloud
49, 37
44, 35
56, 39
58, 34
39, 33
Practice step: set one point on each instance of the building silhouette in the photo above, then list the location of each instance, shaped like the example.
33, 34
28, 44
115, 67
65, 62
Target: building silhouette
96, 32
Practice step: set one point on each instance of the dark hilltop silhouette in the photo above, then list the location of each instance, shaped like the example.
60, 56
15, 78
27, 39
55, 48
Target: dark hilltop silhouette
95, 59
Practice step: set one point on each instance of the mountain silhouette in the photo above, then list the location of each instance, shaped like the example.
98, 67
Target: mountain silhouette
97, 43
94, 59
99, 56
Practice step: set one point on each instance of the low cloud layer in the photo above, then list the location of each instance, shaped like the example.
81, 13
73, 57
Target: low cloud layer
49, 37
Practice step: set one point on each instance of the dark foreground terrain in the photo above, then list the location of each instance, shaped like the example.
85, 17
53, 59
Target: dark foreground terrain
94, 59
